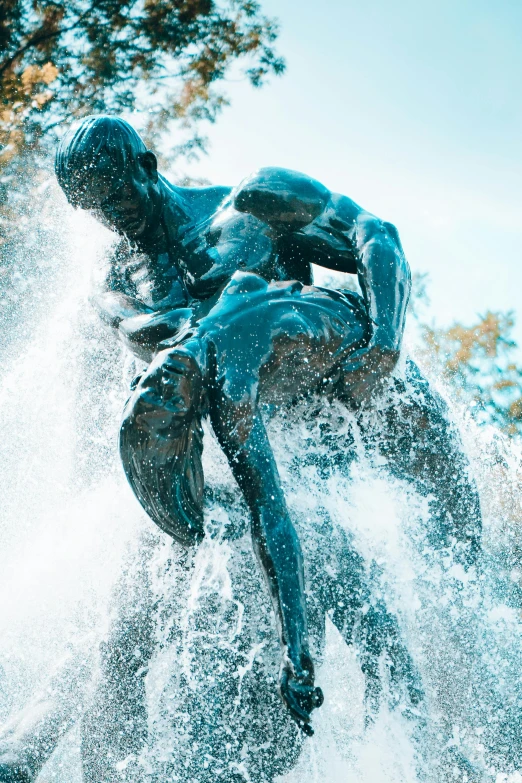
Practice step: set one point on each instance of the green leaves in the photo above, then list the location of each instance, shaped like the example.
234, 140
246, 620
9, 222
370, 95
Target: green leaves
479, 362
101, 53
68, 58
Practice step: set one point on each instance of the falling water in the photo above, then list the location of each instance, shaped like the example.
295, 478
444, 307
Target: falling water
76, 550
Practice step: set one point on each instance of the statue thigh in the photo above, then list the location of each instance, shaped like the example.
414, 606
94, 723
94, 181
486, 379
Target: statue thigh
412, 429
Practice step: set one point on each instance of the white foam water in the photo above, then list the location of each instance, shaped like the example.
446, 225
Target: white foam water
71, 532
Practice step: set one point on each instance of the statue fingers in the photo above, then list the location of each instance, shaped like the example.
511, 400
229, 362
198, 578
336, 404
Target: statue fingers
301, 700
288, 690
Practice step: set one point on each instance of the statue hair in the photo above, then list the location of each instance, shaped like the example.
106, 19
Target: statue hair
88, 140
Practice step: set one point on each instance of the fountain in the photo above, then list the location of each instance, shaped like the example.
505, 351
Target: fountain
77, 550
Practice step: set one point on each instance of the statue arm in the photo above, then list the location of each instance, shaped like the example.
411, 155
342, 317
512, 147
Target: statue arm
111, 295
113, 307
384, 277
352, 240
139, 327
339, 236
348, 239
121, 312
279, 554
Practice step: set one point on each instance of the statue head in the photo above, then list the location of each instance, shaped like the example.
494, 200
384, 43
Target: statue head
103, 166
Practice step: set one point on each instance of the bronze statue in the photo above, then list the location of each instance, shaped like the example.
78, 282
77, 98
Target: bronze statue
222, 277
212, 289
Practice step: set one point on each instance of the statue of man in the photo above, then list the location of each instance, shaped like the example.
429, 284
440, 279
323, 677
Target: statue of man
212, 288
180, 248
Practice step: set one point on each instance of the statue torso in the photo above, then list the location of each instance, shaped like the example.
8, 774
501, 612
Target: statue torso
206, 240
226, 242
202, 259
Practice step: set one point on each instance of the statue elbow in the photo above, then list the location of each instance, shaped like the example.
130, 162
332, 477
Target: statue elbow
373, 232
393, 233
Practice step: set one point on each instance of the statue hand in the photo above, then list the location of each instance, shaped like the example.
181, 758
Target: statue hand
366, 369
296, 686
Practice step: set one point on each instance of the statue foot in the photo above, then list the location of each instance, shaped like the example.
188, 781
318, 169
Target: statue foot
12, 772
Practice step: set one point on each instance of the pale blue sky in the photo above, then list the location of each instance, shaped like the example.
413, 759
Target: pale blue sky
414, 110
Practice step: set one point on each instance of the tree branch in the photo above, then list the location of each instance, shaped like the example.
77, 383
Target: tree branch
37, 39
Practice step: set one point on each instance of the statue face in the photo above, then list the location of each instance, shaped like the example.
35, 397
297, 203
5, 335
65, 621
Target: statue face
128, 202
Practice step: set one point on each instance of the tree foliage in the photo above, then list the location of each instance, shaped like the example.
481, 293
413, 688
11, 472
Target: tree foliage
480, 364
62, 59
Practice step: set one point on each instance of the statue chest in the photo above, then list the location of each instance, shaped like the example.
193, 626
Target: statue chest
228, 241
156, 281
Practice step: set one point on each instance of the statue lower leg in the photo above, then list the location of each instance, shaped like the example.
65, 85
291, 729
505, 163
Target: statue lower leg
339, 576
114, 725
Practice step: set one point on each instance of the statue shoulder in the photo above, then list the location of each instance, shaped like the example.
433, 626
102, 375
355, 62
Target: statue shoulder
204, 201
281, 196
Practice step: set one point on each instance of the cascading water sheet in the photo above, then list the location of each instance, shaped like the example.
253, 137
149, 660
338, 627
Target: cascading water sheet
77, 551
